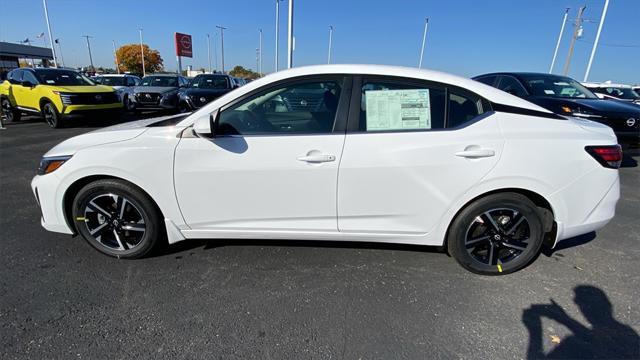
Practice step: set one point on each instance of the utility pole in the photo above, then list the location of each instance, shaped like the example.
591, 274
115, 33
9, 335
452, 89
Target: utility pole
424, 40
555, 53
576, 32
595, 44
89, 48
115, 55
290, 36
222, 29
53, 48
330, 40
209, 51
215, 53
277, 29
260, 54
258, 60
142, 54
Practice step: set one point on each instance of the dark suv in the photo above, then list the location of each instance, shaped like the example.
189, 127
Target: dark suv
565, 96
156, 92
203, 89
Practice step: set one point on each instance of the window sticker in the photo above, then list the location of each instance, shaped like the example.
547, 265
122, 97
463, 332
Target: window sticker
549, 92
398, 109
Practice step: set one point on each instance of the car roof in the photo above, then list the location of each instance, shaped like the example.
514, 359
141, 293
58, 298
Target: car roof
488, 92
521, 74
115, 75
164, 75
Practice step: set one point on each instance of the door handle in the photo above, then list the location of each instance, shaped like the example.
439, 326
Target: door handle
317, 158
476, 153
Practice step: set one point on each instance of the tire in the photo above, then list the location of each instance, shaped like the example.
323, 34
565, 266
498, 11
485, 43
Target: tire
118, 219
128, 104
9, 112
497, 234
51, 116
183, 107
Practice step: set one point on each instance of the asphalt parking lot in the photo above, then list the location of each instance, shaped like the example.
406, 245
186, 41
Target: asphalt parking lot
59, 298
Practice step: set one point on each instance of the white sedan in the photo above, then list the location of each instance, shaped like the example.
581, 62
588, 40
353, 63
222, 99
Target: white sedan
341, 152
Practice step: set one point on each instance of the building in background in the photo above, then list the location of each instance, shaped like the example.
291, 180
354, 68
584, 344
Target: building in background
12, 54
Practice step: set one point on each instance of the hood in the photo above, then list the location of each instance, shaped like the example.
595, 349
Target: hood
598, 106
111, 134
84, 89
154, 89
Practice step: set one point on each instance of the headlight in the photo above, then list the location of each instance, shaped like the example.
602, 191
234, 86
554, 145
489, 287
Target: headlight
579, 112
51, 164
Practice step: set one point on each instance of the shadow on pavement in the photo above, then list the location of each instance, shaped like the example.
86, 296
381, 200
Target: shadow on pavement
207, 244
603, 338
569, 243
628, 161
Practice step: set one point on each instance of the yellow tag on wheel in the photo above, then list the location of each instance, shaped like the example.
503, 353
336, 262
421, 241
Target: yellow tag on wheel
499, 268
81, 218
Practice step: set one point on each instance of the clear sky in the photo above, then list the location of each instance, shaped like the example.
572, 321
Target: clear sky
465, 37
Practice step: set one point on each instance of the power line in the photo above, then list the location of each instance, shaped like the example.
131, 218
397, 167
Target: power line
609, 44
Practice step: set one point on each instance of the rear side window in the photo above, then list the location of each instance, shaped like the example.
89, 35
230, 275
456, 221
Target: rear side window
401, 107
512, 86
463, 108
15, 77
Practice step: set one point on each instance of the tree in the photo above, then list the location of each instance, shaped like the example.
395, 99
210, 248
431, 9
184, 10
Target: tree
241, 72
129, 59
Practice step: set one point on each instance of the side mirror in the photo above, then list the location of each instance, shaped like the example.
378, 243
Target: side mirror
205, 126
28, 83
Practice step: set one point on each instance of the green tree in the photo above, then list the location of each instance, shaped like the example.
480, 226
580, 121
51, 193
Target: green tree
241, 72
130, 59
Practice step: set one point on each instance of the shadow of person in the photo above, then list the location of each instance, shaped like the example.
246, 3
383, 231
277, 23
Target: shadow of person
606, 338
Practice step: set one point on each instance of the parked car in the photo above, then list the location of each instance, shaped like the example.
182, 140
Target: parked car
566, 96
610, 91
389, 154
55, 94
203, 89
155, 92
120, 82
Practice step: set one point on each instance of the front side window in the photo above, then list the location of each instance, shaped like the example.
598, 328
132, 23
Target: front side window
62, 78
301, 108
401, 107
28, 76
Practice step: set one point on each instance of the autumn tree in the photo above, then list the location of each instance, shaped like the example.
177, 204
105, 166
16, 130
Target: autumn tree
241, 72
129, 59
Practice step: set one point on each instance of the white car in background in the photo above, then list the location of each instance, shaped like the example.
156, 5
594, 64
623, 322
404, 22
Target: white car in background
341, 152
610, 91
121, 83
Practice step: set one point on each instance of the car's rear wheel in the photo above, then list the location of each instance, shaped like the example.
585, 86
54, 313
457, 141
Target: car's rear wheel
52, 116
10, 113
117, 218
497, 234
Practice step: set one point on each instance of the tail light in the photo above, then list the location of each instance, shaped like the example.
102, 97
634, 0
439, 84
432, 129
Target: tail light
609, 156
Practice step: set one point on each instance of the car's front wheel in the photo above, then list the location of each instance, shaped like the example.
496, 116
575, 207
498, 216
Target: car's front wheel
117, 218
10, 113
497, 234
129, 105
52, 116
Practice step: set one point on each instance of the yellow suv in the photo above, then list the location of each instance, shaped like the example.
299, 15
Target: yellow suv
56, 94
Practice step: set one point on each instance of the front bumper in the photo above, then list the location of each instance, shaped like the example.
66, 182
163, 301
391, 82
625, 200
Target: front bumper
50, 202
85, 109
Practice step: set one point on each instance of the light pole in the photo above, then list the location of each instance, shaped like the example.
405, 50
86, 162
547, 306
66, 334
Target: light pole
555, 53
115, 56
209, 51
53, 48
57, 41
142, 54
424, 40
595, 44
277, 29
330, 40
222, 29
89, 48
290, 36
260, 54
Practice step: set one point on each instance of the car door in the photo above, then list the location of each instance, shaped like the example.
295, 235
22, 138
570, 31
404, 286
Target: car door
272, 164
18, 91
412, 148
29, 95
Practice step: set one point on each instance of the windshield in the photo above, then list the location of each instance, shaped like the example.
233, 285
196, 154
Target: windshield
166, 81
210, 82
556, 86
113, 80
62, 78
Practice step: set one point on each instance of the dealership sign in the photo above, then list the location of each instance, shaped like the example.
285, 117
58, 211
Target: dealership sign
183, 45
